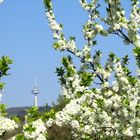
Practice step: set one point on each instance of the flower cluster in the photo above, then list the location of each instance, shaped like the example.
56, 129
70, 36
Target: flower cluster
110, 111
134, 24
87, 6
98, 108
35, 130
7, 125
116, 16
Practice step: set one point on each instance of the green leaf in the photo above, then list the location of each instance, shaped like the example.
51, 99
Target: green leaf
56, 45
60, 71
72, 38
86, 78
47, 4
30, 128
16, 119
132, 80
20, 137
49, 114
137, 55
3, 110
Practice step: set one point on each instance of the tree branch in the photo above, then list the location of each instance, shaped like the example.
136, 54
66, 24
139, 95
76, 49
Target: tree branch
91, 64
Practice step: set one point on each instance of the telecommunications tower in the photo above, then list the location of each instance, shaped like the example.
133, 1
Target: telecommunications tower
35, 91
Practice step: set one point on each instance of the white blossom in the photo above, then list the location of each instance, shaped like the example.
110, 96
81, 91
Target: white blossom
7, 125
40, 129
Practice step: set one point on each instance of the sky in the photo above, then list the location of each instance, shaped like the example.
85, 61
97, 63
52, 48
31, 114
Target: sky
27, 39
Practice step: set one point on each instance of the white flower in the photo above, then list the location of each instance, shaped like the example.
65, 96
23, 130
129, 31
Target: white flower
115, 86
124, 79
41, 137
133, 104
40, 129
137, 43
138, 131
62, 44
116, 26
105, 74
56, 36
129, 131
108, 103
7, 125
87, 129
99, 27
125, 111
71, 45
75, 124
73, 108
79, 54
109, 93
50, 122
59, 123
105, 85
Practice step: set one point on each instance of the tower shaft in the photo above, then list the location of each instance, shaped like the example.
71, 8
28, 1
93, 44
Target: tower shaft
35, 91
35, 100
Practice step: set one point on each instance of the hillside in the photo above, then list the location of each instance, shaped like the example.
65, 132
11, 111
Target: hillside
21, 111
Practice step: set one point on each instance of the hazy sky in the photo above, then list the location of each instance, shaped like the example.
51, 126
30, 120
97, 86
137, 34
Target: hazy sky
26, 37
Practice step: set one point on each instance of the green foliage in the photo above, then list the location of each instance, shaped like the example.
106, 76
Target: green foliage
16, 119
30, 128
132, 80
67, 62
60, 73
5, 61
2, 85
97, 58
47, 4
20, 137
137, 55
32, 114
100, 102
134, 1
72, 38
112, 56
125, 60
61, 102
3, 110
49, 114
86, 78
56, 45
